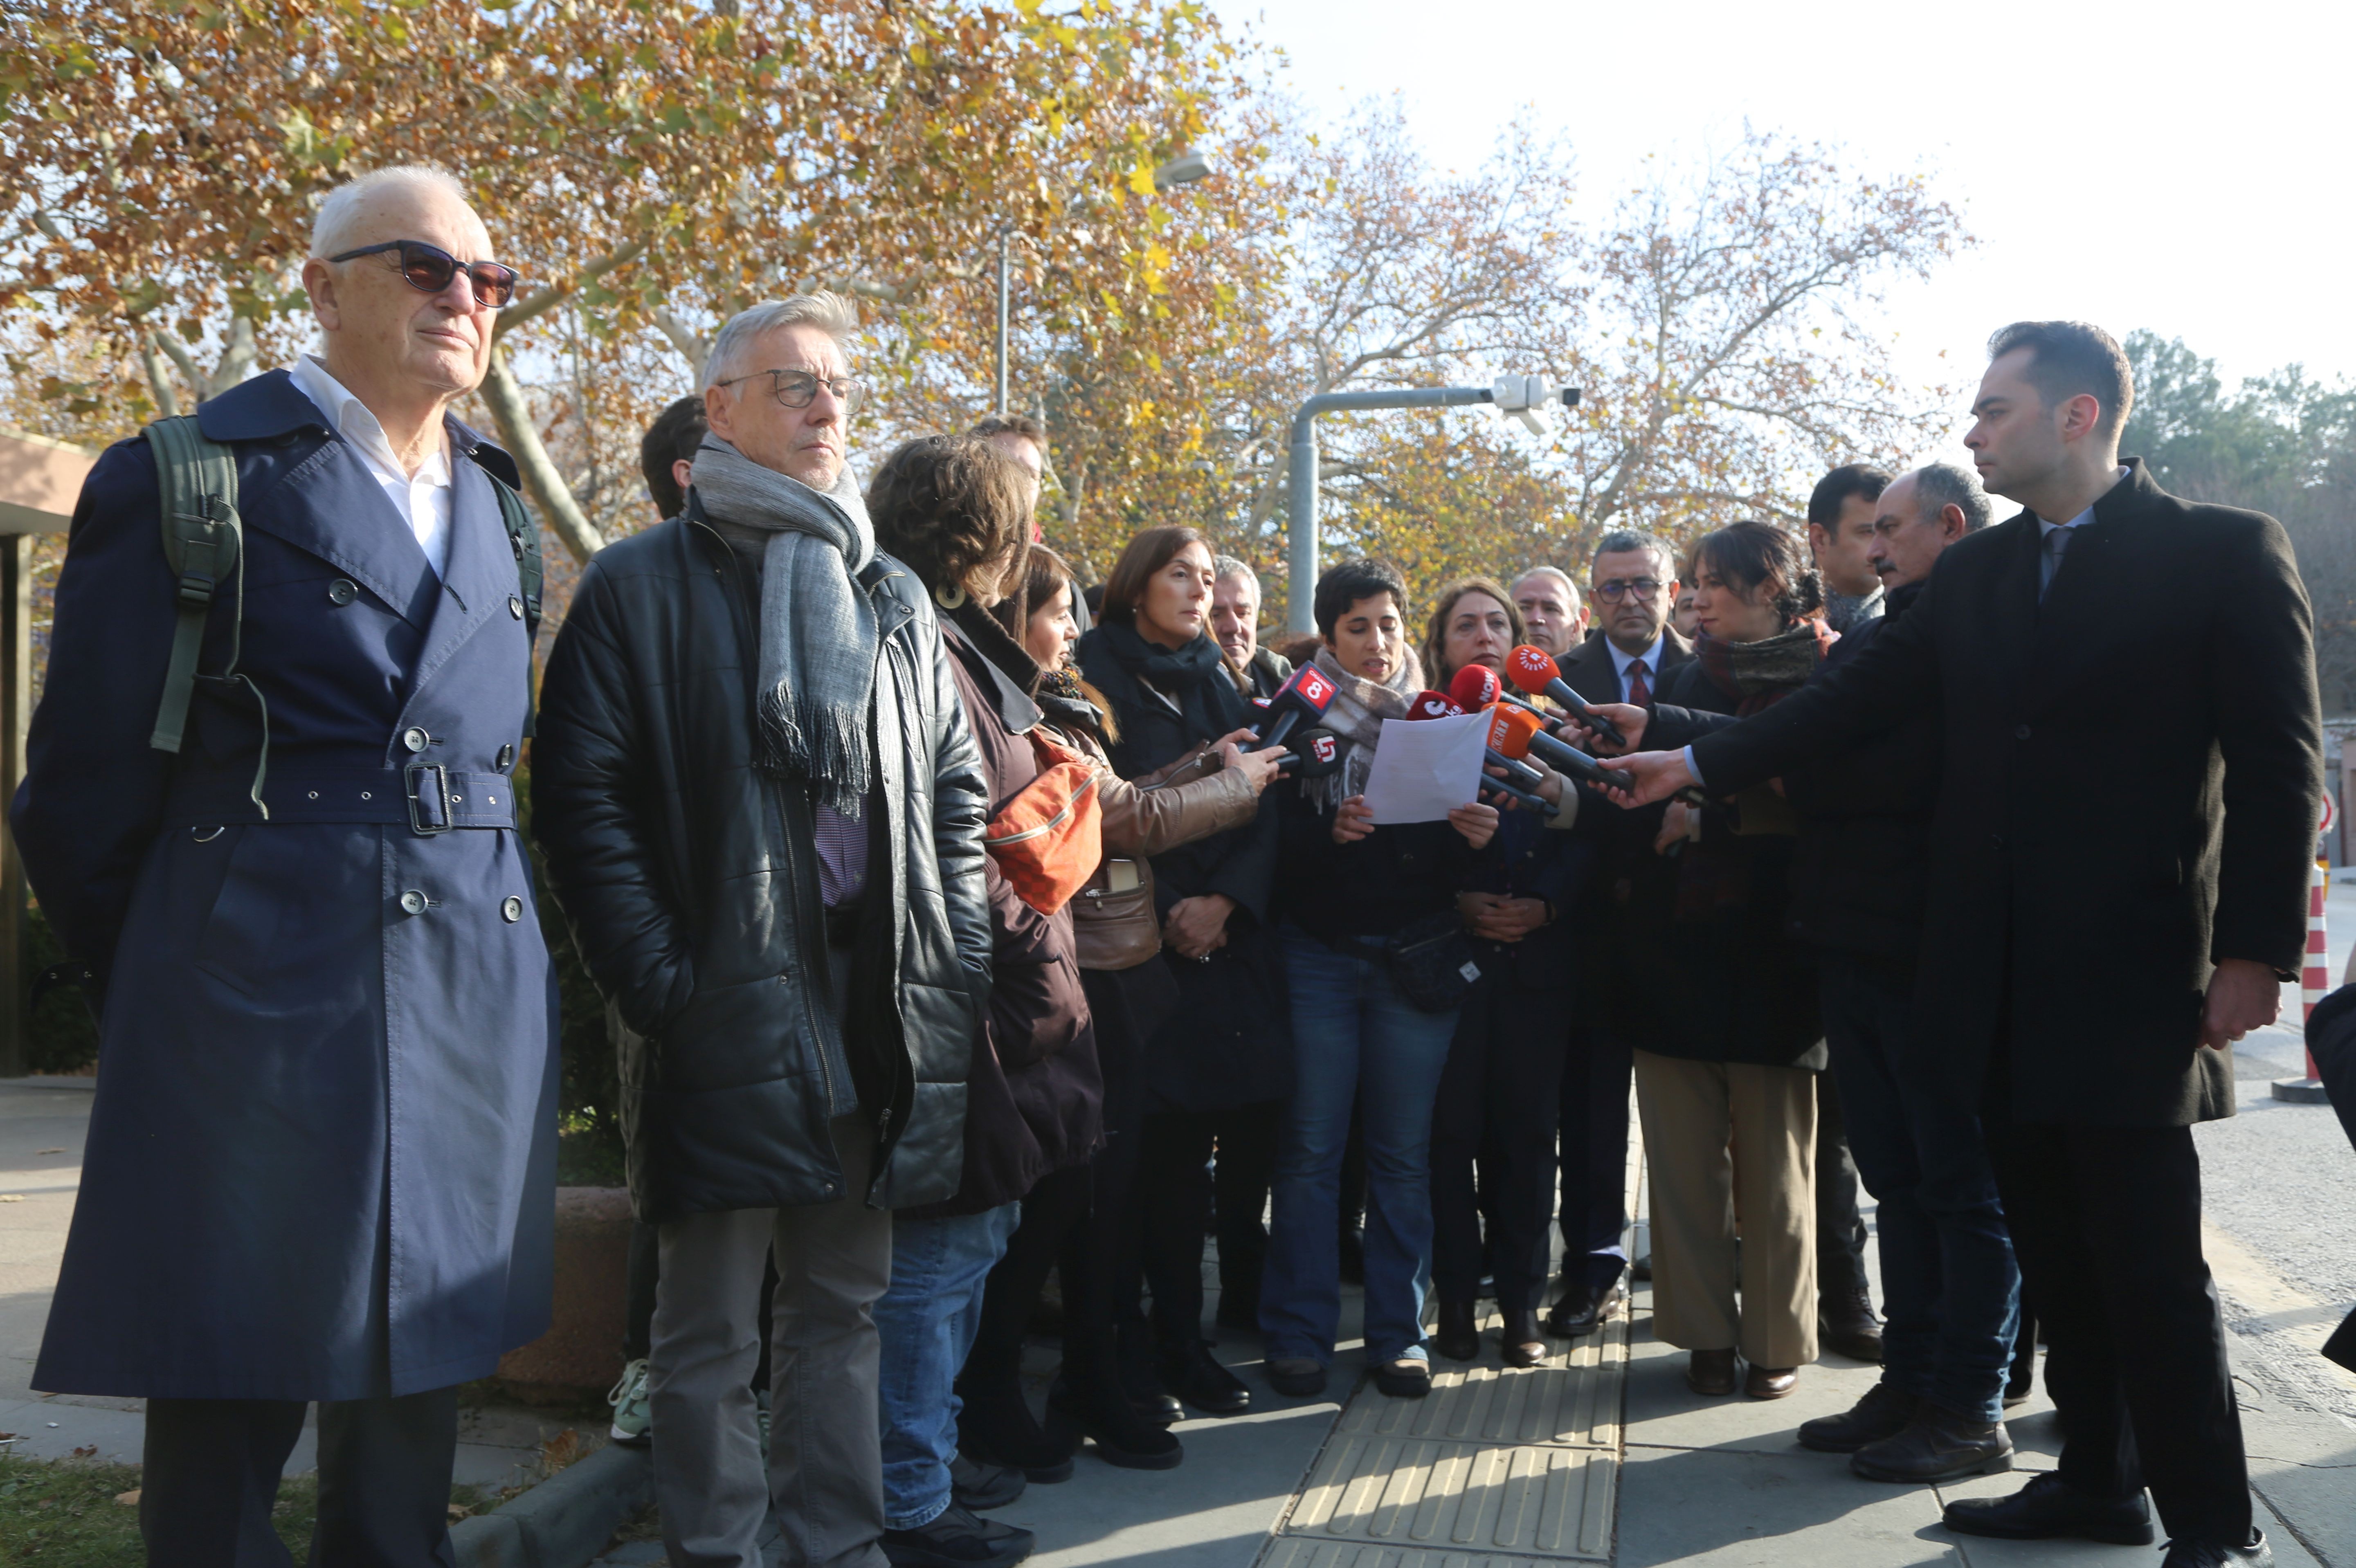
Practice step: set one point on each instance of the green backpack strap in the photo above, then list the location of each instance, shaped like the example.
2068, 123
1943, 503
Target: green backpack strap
202, 540
524, 539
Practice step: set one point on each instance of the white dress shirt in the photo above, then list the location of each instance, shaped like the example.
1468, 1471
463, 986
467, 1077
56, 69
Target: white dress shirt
423, 499
1621, 660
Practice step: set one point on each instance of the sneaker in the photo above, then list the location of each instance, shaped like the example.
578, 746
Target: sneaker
981, 1486
633, 1413
959, 1538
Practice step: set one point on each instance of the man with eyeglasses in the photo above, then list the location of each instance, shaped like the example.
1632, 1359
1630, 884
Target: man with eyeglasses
1630, 586
321, 1158
762, 811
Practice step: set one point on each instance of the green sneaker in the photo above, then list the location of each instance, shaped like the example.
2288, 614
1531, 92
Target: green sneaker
633, 1416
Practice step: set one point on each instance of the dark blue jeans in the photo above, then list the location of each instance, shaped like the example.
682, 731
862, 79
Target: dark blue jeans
1354, 1038
1949, 1289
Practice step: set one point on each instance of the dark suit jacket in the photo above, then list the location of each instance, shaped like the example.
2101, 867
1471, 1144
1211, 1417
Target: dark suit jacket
2130, 792
1631, 886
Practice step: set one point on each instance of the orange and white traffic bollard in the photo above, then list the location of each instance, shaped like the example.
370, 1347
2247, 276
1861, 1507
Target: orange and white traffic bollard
2314, 984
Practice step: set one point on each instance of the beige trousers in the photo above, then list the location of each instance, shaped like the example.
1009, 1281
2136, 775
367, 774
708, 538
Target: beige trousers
1722, 1136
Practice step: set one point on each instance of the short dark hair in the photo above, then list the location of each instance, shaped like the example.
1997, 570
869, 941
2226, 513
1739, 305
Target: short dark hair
677, 431
1145, 554
1624, 541
1023, 425
947, 506
1344, 585
1833, 491
2072, 358
1938, 485
1756, 556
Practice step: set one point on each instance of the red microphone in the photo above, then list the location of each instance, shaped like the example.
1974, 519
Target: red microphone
1429, 704
1519, 775
1535, 671
1475, 685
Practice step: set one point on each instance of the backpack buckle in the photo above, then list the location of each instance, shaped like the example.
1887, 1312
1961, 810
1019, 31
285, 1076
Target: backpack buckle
429, 815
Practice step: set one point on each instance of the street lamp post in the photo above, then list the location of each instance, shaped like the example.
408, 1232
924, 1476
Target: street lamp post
1522, 397
1184, 169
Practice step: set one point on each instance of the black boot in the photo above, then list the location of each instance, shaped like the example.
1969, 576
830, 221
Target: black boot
995, 1427
1133, 1370
1458, 1337
1189, 1371
1845, 1322
1937, 1446
1083, 1405
1882, 1412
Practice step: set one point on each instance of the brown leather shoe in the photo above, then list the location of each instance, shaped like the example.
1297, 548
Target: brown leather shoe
1710, 1372
1525, 1344
1770, 1382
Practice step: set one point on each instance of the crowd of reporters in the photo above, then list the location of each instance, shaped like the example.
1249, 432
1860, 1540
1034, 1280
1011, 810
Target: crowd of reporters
961, 926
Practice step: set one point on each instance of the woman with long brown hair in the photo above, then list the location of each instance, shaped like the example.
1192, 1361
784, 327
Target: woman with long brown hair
1218, 1072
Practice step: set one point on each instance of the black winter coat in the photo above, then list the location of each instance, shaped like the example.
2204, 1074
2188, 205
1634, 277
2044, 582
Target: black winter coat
690, 878
1732, 983
1228, 1042
1863, 868
2132, 775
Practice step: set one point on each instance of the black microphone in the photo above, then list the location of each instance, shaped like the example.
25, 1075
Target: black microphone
1314, 753
1535, 671
1306, 695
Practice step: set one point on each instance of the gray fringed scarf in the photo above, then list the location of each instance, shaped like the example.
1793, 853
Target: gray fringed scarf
1357, 714
817, 626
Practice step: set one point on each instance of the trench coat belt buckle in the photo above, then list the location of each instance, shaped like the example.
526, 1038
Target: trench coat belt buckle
429, 814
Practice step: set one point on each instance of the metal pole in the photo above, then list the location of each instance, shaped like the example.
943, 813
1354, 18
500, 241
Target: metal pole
1300, 518
16, 695
1002, 319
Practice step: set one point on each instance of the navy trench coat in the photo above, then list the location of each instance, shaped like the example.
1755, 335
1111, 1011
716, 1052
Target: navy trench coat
322, 1153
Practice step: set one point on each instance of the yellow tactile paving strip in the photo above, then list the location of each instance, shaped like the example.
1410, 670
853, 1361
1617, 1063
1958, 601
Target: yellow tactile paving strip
1499, 1468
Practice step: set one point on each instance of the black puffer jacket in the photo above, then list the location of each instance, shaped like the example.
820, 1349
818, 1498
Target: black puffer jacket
689, 879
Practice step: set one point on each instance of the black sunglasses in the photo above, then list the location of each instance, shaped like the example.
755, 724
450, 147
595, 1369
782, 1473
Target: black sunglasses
429, 270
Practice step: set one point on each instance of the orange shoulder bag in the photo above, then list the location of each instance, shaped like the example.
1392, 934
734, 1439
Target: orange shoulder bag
1048, 840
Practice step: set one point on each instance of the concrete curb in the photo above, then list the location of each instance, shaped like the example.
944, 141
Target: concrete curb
565, 1520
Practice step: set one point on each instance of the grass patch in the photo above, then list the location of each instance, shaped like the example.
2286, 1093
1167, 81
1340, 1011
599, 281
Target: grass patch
65, 1515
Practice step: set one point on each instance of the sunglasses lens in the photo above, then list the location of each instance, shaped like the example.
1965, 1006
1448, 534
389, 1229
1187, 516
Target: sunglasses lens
493, 284
426, 268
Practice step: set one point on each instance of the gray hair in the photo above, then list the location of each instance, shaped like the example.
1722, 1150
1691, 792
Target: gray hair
1570, 589
1620, 541
1938, 485
339, 210
831, 314
1226, 566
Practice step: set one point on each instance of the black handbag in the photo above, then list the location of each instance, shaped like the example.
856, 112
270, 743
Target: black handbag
1432, 963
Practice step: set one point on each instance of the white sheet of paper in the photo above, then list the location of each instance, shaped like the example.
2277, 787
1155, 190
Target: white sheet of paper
1426, 768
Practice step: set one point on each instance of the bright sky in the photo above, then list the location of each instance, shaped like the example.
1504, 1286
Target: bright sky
2181, 167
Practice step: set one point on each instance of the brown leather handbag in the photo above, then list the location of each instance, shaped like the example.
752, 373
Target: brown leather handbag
1114, 926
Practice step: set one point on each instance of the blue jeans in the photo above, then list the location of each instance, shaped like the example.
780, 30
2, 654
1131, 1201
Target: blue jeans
1949, 1289
1355, 1039
926, 1322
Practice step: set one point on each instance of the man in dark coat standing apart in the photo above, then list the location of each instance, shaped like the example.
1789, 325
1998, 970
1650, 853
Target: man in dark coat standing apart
322, 1155
2128, 794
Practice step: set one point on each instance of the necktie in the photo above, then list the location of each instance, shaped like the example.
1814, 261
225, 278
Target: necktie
2057, 543
1639, 694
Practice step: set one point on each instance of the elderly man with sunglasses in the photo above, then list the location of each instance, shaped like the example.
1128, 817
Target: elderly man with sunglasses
321, 1158
763, 813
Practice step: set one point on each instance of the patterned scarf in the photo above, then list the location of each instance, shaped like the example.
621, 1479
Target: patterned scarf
1757, 675
818, 632
1356, 715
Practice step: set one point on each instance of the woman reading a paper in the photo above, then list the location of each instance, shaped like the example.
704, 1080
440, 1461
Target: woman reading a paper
1378, 963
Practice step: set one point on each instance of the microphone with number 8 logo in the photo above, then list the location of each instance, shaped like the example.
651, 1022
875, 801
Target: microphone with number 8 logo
1304, 697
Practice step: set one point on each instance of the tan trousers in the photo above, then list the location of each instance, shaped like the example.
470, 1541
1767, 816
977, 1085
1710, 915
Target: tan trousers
1720, 1135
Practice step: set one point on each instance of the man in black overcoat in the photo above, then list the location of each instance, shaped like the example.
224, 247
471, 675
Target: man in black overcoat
2133, 763
1633, 648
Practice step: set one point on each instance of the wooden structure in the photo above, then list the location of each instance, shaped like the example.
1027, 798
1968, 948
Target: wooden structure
40, 480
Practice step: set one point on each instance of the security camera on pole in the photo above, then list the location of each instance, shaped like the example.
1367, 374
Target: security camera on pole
1528, 399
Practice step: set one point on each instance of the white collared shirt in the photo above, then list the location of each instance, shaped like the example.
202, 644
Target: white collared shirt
423, 499
1620, 661
2045, 530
